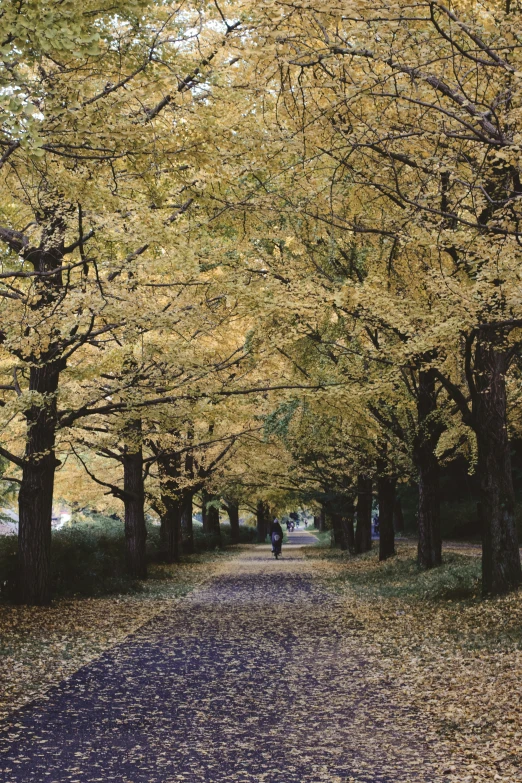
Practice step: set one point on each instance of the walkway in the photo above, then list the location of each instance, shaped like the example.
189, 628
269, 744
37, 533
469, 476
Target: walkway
257, 677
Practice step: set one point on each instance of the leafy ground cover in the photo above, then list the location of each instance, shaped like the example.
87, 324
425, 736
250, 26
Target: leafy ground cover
258, 676
96, 604
456, 658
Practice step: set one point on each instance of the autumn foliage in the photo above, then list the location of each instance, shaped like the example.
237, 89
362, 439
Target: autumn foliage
260, 253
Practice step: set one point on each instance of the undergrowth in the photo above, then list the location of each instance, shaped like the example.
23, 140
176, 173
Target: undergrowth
88, 556
400, 577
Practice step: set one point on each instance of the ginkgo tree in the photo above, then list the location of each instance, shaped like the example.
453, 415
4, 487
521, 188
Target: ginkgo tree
97, 158
399, 124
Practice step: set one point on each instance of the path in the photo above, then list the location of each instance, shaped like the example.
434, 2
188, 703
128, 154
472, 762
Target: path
247, 680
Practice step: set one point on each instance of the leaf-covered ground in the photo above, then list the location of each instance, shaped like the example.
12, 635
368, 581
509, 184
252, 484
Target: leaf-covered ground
40, 647
456, 658
304, 670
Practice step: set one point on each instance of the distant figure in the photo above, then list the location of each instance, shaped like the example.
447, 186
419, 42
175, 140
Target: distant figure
276, 536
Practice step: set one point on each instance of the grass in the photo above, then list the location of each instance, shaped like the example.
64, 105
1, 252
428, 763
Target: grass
457, 579
323, 536
400, 576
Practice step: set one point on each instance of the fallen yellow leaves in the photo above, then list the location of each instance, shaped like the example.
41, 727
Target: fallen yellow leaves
39, 647
457, 663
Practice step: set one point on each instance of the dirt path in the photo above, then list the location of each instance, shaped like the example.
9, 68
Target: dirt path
256, 677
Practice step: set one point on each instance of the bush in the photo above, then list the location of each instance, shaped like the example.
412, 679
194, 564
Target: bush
88, 556
207, 541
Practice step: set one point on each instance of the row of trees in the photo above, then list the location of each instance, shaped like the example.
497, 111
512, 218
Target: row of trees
258, 252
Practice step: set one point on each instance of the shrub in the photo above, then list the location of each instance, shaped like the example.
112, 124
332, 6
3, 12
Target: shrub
88, 556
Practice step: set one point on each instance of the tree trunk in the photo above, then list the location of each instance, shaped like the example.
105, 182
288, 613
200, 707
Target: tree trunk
428, 434
338, 538
386, 493
134, 500
187, 496
363, 532
171, 529
322, 520
430, 540
171, 498
35, 499
186, 522
205, 497
501, 570
398, 516
347, 521
233, 515
211, 524
317, 522
261, 522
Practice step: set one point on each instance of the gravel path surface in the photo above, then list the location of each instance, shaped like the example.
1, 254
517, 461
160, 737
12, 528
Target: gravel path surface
256, 677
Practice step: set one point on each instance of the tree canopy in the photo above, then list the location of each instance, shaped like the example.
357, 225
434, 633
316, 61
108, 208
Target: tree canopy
260, 252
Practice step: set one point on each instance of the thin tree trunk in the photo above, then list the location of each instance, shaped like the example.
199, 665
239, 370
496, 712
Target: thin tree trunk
171, 498
205, 497
363, 532
186, 522
317, 521
35, 499
398, 516
501, 569
261, 522
212, 519
187, 496
171, 529
338, 537
386, 493
430, 540
134, 500
429, 431
347, 521
233, 515
322, 520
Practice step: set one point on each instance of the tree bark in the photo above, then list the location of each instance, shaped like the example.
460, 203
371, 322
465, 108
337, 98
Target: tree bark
363, 532
205, 497
347, 520
210, 509
171, 529
261, 522
317, 521
35, 499
186, 522
338, 538
233, 515
171, 498
386, 493
134, 501
430, 540
428, 433
322, 520
501, 569
186, 513
398, 516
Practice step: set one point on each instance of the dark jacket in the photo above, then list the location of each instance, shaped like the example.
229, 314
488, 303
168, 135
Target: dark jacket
275, 527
